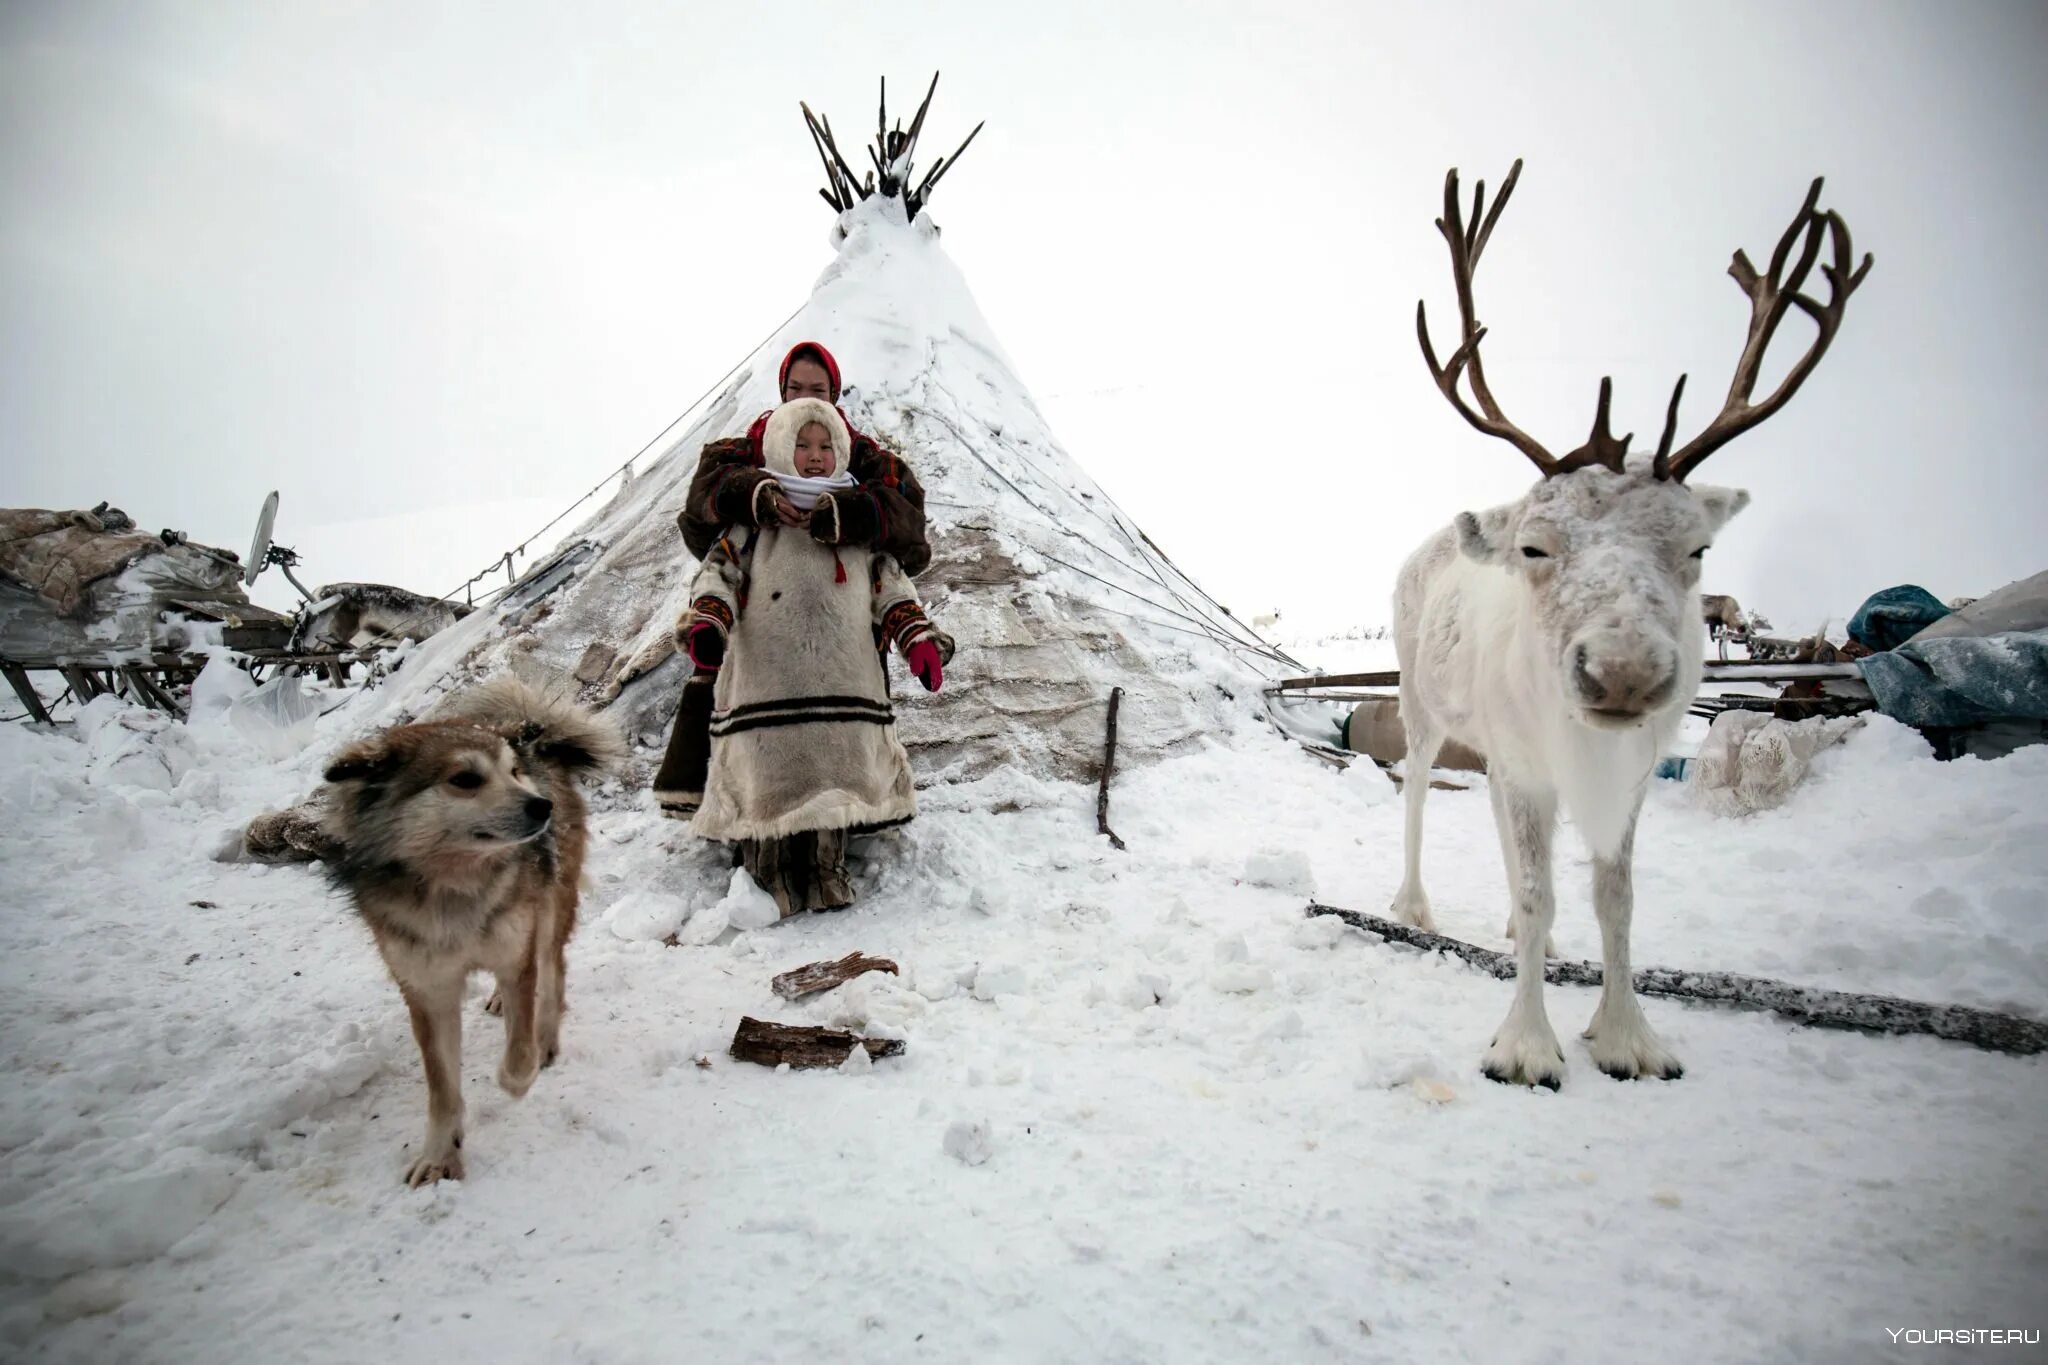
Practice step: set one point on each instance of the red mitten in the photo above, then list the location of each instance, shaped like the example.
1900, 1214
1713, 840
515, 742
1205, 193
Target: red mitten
706, 645
923, 658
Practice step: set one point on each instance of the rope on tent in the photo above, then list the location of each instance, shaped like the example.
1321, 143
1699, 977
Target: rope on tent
1208, 628
1210, 636
506, 560
1147, 551
1208, 631
1161, 606
1147, 571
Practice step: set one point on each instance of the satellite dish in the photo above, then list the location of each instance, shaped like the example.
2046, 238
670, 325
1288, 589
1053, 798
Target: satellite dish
259, 548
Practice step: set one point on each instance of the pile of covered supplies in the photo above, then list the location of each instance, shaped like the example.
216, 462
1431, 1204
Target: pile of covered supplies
1974, 680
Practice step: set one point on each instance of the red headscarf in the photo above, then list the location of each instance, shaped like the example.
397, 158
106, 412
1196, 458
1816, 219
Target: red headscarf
802, 350
816, 352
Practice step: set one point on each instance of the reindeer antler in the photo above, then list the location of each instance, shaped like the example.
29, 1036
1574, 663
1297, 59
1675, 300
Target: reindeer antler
1466, 243
1770, 295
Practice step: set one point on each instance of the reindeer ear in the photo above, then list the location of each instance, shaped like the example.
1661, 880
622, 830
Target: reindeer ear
1720, 504
364, 761
1483, 535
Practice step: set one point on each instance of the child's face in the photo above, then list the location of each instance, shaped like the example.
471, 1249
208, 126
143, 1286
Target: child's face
814, 459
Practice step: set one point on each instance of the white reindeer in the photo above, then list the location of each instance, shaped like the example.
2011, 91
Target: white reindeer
1559, 635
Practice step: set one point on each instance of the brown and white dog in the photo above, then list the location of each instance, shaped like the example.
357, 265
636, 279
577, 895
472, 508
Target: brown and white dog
462, 846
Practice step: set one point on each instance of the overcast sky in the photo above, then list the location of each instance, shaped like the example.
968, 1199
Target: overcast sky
390, 259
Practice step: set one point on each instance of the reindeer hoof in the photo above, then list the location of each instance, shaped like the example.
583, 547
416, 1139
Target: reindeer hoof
1531, 1059
432, 1170
1413, 909
1631, 1052
1665, 1067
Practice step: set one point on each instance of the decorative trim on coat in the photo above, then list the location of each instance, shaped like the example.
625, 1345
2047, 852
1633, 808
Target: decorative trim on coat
904, 624
705, 609
766, 715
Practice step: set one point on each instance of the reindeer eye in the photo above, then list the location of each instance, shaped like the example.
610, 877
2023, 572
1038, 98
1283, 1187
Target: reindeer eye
1531, 552
468, 781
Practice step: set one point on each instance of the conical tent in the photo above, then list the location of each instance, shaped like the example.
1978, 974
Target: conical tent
1054, 597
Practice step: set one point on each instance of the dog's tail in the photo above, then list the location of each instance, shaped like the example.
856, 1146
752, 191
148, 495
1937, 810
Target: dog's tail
554, 729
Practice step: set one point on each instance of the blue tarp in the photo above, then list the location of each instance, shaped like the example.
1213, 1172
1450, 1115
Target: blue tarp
1962, 680
1888, 619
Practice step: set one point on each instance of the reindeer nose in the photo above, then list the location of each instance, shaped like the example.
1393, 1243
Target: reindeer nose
1623, 682
538, 809
1591, 689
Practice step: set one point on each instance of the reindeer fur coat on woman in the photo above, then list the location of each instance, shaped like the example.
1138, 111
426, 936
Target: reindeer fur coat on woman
802, 733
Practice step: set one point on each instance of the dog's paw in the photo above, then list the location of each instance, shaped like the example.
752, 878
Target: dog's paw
1525, 1056
430, 1170
520, 1068
496, 1004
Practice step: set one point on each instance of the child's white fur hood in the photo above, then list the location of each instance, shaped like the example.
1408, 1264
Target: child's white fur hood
778, 442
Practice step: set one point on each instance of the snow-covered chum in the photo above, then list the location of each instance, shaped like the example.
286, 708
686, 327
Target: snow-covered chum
1559, 634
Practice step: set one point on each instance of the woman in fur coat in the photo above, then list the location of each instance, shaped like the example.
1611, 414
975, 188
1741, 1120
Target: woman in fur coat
803, 740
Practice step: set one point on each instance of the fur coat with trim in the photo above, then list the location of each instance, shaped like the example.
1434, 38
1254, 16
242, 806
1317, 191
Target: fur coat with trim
802, 733
885, 513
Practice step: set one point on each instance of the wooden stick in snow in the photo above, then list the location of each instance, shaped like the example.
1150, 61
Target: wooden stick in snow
802, 1047
1807, 1005
1116, 697
1735, 670
1382, 678
823, 976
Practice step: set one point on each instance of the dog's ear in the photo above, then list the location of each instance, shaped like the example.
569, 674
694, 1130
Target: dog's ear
571, 755
569, 742
366, 760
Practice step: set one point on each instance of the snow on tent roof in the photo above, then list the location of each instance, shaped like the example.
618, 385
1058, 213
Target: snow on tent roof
1052, 593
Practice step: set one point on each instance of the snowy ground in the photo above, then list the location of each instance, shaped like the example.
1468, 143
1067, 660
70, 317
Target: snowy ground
1212, 1130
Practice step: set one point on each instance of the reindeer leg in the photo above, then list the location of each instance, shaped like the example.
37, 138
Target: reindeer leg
436, 1009
1621, 1040
1525, 1050
1411, 902
1507, 854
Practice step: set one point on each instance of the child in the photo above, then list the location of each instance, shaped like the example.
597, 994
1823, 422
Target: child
803, 741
